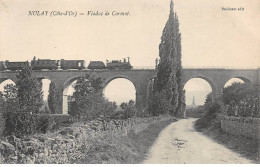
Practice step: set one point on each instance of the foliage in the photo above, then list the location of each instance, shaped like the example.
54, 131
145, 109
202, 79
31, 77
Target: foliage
52, 98
195, 112
248, 107
23, 123
211, 109
20, 123
87, 101
168, 86
179, 73
30, 96
238, 91
239, 99
20, 103
242, 100
209, 98
158, 104
46, 123
9, 98
8, 103
129, 110
2, 120
182, 103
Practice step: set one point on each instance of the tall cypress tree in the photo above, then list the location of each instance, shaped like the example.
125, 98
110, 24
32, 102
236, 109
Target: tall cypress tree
179, 73
169, 76
52, 97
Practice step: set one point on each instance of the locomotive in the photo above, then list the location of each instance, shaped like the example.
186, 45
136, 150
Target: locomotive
113, 65
43, 64
117, 64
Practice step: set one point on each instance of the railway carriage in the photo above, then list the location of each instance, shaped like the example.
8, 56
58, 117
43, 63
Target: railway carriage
49, 64
16, 65
96, 65
72, 64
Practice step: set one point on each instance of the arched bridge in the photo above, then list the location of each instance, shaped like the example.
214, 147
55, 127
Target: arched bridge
140, 78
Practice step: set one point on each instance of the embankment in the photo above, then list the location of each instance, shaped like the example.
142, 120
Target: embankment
115, 141
236, 133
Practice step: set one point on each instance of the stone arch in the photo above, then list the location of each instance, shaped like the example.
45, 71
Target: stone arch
245, 79
45, 77
4, 79
69, 81
216, 91
108, 80
208, 80
112, 78
65, 88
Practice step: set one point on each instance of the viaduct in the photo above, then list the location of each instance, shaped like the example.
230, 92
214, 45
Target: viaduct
216, 78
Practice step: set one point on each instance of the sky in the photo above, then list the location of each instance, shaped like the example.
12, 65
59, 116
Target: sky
210, 36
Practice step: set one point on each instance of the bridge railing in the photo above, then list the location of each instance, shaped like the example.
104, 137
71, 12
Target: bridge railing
199, 67
220, 67
143, 67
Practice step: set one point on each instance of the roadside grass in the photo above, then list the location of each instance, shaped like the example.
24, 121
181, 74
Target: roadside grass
118, 149
247, 147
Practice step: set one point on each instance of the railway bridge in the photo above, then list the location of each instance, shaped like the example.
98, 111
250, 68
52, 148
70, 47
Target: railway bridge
216, 77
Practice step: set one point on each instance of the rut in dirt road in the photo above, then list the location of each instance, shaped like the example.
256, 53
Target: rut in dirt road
180, 143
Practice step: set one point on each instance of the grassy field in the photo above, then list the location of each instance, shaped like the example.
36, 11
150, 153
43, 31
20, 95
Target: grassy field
118, 149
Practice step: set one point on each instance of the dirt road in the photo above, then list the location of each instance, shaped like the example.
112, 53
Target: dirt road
180, 143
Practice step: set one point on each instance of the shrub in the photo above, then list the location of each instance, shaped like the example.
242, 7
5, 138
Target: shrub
45, 123
20, 123
211, 110
2, 122
27, 123
248, 107
237, 92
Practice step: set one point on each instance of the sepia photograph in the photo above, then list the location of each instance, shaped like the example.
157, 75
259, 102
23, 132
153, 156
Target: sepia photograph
129, 82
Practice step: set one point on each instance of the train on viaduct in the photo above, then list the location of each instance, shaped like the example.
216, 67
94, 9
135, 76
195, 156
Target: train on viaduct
216, 77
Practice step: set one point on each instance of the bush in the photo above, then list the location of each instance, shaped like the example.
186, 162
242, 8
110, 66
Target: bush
2, 123
237, 92
248, 107
20, 123
211, 110
195, 112
45, 123
25, 123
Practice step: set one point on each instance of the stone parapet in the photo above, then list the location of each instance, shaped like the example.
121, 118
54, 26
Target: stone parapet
240, 126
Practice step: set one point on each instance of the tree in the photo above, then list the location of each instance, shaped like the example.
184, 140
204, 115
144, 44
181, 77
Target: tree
169, 76
9, 98
2, 119
129, 109
87, 101
123, 105
110, 108
29, 93
238, 91
52, 97
179, 73
209, 98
